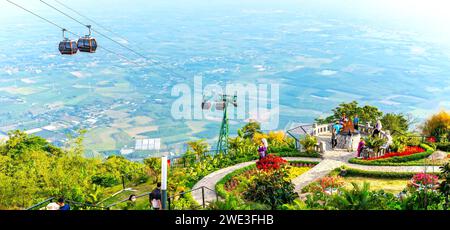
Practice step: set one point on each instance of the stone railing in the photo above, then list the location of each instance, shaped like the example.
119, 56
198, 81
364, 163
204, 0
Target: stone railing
320, 129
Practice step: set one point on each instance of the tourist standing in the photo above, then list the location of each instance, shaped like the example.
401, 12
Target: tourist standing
333, 138
262, 149
344, 119
349, 141
63, 206
155, 197
337, 127
361, 146
377, 130
53, 206
356, 122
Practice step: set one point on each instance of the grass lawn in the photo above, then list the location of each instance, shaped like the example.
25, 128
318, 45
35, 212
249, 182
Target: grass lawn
389, 185
141, 203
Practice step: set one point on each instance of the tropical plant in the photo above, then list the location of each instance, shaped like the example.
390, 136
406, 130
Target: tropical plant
357, 198
272, 188
309, 143
199, 147
395, 123
296, 205
375, 143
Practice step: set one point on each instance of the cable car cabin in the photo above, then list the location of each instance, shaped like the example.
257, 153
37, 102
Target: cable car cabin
68, 47
87, 44
206, 105
220, 105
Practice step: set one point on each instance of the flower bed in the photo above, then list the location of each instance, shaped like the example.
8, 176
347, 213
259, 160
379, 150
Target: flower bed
424, 180
408, 151
271, 162
413, 159
237, 182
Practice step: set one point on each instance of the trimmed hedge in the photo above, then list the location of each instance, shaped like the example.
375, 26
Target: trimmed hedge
304, 162
351, 172
298, 154
443, 146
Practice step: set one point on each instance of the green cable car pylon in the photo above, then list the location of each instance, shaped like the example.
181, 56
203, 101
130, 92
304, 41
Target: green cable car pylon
222, 105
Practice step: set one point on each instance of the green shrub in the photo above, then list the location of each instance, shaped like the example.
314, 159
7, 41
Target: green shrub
374, 143
273, 189
413, 140
427, 148
443, 146
351, 172
309, 143
105, 180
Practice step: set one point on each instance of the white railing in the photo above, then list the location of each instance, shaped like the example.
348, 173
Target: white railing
317, 129
320, 129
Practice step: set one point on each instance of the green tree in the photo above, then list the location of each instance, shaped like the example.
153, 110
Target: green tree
199, 147
249, 130
366, 113
395, 123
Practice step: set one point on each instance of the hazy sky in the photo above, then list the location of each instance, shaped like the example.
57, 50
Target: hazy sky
431, 18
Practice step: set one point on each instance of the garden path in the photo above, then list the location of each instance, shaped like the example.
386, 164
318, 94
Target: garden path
331, 160
320, 170
212, 179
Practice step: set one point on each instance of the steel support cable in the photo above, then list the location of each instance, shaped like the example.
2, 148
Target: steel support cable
68, 31
154, 62
89, 19
101, 34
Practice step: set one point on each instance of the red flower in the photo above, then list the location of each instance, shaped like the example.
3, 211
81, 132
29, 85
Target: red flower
270, 162
431, 139
425, 179
408, 151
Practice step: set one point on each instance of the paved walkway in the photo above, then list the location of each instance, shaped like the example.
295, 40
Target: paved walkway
212, 179
320, 170
331, 160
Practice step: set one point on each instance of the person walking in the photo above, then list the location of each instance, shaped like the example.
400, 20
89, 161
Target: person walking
262, 149
155, 197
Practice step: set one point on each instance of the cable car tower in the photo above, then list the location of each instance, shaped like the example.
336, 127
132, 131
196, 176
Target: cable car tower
222, 105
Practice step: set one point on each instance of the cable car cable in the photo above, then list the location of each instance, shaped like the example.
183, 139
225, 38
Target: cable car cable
89, 19
68, 31
111, 39
101, 34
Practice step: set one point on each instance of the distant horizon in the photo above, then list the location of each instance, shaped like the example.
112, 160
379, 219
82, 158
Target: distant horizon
321, 53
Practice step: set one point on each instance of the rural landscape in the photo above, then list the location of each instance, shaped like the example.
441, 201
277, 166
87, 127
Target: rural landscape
224, 105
